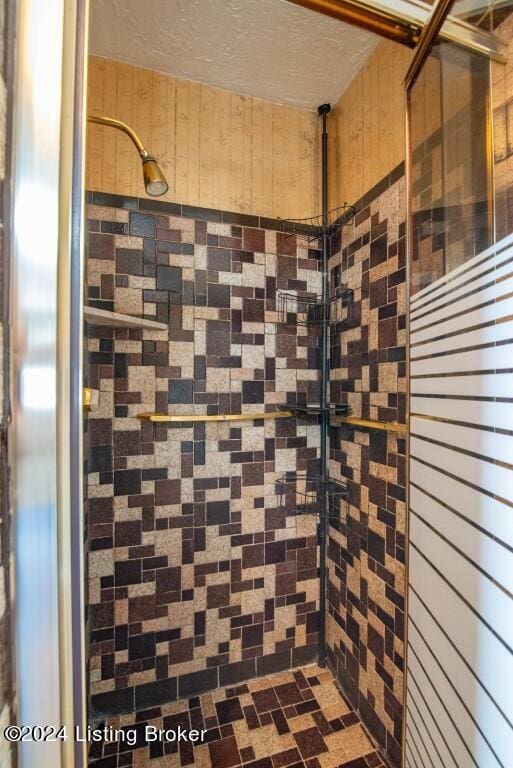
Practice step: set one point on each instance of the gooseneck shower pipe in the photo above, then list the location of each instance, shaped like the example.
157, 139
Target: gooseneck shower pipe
154, 180
323, 111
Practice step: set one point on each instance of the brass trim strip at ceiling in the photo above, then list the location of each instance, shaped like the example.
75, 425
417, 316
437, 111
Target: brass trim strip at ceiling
403, 20
360, 16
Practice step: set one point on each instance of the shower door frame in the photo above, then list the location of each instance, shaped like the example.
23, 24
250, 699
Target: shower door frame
428, 37
404, 21
45, 432
50, 677
435, 29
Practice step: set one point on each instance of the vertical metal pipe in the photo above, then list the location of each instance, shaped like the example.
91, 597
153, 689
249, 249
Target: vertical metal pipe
323, 111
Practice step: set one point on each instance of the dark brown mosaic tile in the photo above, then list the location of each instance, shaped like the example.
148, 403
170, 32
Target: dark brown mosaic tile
310, 742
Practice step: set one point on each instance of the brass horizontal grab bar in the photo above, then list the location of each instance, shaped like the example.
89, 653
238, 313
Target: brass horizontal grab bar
164, 418
87, 398
90, 398
386, 426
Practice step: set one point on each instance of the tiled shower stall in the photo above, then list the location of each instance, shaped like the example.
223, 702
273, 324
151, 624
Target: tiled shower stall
200, 578
305, 586
197, 578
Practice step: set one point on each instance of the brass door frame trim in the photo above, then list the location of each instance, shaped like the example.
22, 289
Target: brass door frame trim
433, 29
403, 20
409, 241
428, 37
367, 17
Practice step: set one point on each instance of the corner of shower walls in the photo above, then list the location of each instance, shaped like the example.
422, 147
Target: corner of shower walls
197, 579
366, 553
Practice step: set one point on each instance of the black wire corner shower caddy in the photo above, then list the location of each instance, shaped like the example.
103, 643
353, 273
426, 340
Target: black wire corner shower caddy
312, 411
302, 493
304, 308
307, 309
316, 227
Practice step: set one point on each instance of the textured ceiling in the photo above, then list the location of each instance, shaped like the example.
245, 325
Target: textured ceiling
271, 49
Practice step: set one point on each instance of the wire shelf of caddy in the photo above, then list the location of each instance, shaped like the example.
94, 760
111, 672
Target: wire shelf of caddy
301, 493
315, 227
315, 410
309, 309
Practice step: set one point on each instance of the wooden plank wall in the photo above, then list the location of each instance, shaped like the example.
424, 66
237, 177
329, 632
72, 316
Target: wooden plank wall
367, 125
218, 149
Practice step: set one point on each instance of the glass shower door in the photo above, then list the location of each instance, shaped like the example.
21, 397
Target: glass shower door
451, 188
459, 650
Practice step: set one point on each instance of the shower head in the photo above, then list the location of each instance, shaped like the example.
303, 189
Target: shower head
154, 180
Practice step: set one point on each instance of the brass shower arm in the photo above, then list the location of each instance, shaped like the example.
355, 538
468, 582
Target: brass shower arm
154, 180
110, 121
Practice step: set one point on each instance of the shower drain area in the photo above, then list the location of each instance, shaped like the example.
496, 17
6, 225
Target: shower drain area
295, 719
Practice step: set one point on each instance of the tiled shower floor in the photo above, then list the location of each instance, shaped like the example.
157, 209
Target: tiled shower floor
293, 719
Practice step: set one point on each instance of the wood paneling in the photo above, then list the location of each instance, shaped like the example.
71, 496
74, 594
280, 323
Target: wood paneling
217, 149
367, 125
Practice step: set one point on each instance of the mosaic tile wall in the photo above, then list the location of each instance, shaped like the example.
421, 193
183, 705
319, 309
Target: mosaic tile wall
365, 627
196, 577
